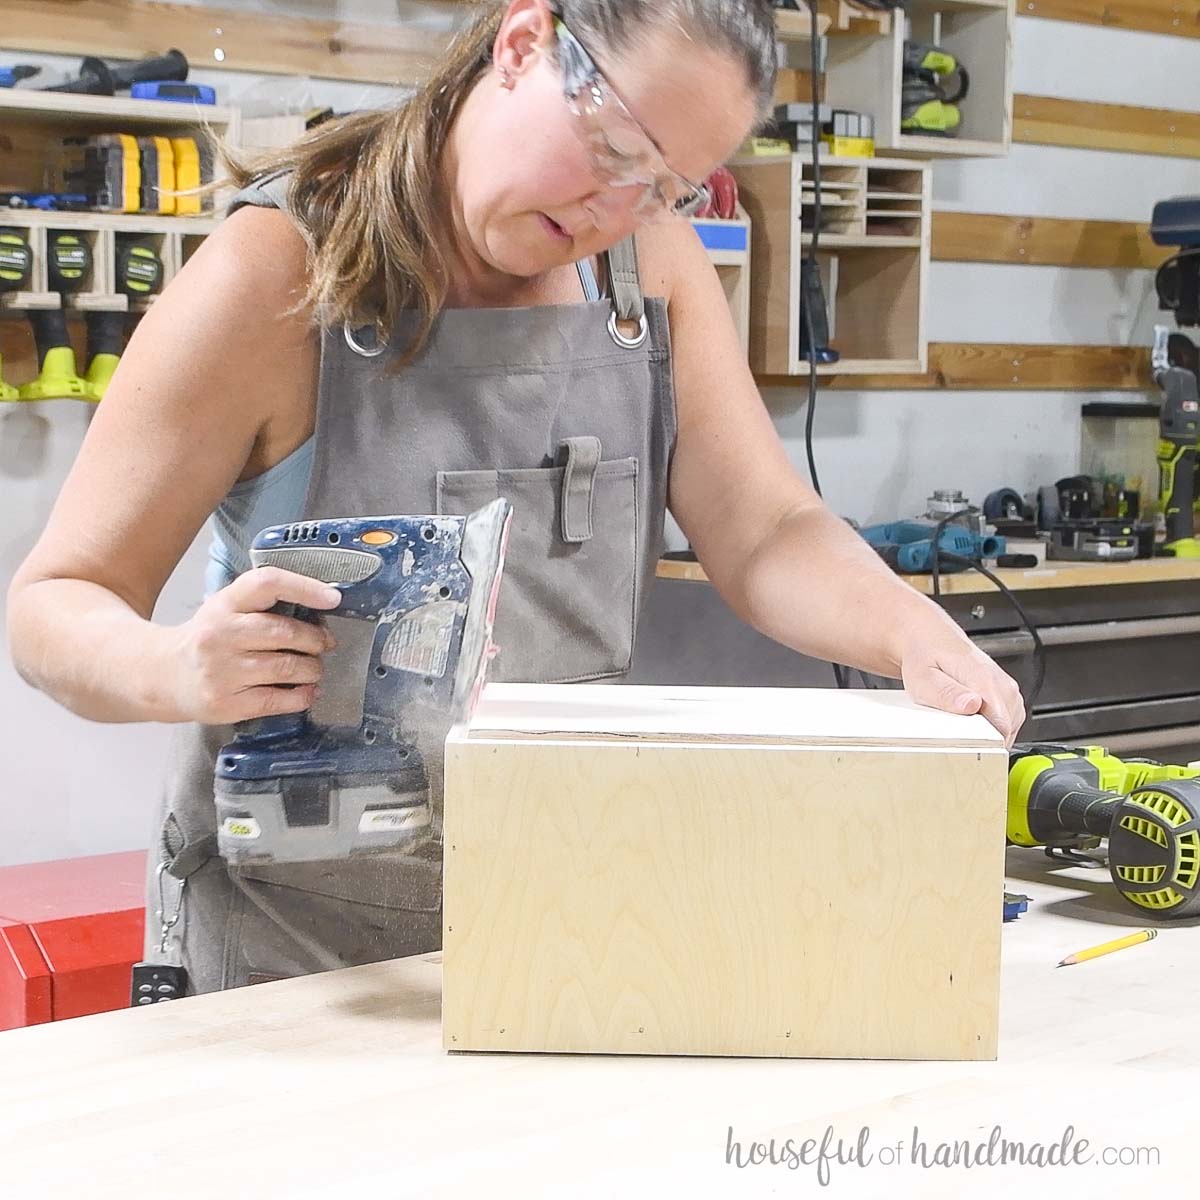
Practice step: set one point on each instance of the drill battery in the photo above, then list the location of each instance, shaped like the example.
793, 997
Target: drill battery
106, 169
158, 175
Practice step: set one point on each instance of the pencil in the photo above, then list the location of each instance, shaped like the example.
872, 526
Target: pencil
1144, 935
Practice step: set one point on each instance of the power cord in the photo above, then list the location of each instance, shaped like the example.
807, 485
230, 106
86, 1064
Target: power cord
840, 674
811, 256
1039, 649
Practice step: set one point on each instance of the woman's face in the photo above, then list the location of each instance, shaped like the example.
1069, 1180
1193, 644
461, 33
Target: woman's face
529, 195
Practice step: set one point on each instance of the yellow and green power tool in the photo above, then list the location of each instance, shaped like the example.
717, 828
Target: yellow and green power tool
16, 267
1064, 797
69, 265
139, 275
933, 83
1178, 431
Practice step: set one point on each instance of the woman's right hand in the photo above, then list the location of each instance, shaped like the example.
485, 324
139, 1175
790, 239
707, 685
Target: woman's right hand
235, 660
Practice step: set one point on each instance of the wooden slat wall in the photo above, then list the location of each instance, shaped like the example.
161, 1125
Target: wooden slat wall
1044, 241
969, 366
1178, 17
221, 39
1049, 121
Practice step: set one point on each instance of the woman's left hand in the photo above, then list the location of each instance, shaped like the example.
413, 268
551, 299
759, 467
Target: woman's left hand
946, 670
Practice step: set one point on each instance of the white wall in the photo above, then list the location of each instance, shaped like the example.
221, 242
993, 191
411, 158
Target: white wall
880, 454
72, 788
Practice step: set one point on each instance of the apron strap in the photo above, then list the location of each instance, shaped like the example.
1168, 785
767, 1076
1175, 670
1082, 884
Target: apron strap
625, 282
579, 486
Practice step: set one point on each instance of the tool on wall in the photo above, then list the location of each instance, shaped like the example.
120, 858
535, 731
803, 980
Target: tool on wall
105, 168
11, 76
45, 201
69, 265
16, 267
288, 790
179, 93
98, 78
1178, 432
1068, 799
933, 84
139, 275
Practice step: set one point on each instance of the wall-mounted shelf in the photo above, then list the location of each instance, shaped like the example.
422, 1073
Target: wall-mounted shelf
33, 218
864, 73
110, 114
874, 267
33, 125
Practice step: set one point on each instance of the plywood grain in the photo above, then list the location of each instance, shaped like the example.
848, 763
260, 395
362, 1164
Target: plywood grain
1180, 18
636, 895
1052, 121
1044, 241
980, 366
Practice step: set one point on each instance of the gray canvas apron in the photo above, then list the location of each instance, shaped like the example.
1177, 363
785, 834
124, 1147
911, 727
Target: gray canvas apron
551, 407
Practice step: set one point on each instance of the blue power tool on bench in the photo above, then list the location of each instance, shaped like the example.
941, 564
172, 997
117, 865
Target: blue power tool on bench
907, 546
289, 790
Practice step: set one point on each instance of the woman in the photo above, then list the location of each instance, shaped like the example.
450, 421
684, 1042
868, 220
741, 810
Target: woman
414, 311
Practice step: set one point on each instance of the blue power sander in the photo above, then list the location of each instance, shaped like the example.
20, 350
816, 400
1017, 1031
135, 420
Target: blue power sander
289, 790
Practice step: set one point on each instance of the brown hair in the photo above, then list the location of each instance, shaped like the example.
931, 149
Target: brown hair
364, 189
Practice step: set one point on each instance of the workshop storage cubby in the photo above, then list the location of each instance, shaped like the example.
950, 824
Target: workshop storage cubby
873, 251
865, 74
35, 125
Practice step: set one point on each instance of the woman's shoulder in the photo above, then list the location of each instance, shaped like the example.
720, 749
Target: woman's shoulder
669, 255
260, 249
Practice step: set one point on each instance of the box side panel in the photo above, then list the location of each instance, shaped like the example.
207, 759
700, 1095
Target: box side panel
651, 898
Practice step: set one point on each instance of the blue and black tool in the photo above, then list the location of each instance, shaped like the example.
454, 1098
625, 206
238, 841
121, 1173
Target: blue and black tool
11, 76
907, 546
289, 790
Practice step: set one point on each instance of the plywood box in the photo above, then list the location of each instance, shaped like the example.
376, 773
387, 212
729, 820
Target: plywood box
726, 871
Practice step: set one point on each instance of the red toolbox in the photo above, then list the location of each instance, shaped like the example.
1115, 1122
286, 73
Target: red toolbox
69, 933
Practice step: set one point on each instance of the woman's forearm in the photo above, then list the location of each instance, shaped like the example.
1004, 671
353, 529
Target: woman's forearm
86, 648
815, 585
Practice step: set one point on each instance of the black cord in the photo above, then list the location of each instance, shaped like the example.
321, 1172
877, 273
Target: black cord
1039, 648
937, 545
811, 256
839, 675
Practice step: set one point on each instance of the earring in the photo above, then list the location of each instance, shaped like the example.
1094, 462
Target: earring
506, 81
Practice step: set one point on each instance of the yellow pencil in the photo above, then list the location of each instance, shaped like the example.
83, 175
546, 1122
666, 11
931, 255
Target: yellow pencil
1144, 935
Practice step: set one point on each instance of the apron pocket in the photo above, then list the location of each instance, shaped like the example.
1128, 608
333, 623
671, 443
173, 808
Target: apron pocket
568, 597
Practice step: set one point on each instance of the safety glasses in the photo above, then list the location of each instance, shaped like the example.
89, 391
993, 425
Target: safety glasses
622, 153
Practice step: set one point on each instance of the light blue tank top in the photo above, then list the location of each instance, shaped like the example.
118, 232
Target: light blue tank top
276, 497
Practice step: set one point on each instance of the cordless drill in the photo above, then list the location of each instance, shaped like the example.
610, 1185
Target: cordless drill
16, 266
1065, 797
69, 265
288, 790
139, 275
1179, 429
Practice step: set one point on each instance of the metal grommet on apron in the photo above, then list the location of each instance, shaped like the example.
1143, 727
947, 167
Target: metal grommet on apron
628, 302
363, 351
629, 343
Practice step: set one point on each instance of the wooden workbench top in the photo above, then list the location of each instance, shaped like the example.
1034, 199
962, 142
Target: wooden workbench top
1052, 575
336, 1085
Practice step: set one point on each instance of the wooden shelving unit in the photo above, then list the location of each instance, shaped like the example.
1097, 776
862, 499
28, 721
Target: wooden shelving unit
874, 254
32, 122
864, 73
